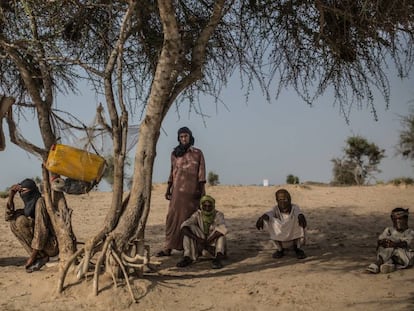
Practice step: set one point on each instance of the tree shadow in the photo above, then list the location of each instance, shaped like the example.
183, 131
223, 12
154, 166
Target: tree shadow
339, 240
12, 261
331, 235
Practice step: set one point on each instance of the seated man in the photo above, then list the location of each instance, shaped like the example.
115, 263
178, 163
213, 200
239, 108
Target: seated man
31, 225
203, 232
395, 246
286, 225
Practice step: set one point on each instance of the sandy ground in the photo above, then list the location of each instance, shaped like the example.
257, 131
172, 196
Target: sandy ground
344, 223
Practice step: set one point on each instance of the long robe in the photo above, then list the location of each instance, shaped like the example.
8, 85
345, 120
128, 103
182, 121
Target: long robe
187, 172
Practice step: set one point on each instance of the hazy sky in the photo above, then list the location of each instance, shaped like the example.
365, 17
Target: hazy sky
254, 141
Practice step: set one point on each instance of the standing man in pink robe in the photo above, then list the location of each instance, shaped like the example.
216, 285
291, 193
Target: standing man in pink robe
186, 185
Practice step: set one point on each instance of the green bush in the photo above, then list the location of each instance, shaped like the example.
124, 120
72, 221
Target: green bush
4, 194
213, 179
291, 179
402, 181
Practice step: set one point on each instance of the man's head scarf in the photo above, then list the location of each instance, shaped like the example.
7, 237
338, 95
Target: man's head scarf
180, 150
399, 217
30, 197
399, 212
284, 207
283, 191
208, 216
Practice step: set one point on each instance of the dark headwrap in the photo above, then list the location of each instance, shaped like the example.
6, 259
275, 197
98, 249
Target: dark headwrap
30, 197
283, 191
180, 150
399, 212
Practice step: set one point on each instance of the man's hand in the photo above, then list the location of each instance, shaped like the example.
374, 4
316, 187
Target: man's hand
386, 243
302, 221
14, 189
10, 210
201, 244
202, 186
391, 244
214, 237
200, 192
260, 221
168, 193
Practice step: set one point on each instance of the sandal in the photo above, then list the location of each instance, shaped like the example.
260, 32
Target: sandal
185, 262
216, 264
278, 254
39, 263
300, 254
163, 253
373, 268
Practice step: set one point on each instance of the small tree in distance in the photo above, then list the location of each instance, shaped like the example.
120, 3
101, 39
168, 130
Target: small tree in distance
213, 179
291, 179
360, 162
405, 145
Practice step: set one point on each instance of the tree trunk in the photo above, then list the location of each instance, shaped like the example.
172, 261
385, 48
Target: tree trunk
133, 221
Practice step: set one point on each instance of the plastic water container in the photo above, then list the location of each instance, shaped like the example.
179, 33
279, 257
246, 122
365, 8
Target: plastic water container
75, 163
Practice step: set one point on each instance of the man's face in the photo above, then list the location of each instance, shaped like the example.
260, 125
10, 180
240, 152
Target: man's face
207, 206
23, 190
283, 201
24, 193
184, 138
400, 223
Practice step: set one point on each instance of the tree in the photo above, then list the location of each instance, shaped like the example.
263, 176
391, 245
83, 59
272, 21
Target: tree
360, 162
213, 179
343, 172
156, 54
291, 179
406, 142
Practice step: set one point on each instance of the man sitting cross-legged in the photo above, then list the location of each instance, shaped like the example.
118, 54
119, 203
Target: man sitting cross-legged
204, 232
395, 246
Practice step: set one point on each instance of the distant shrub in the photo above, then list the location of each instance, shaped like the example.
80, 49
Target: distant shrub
359, 162
291, 179
213, 179
402, 181
4, 194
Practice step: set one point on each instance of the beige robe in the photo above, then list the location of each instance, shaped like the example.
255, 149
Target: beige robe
195, 223
403, 258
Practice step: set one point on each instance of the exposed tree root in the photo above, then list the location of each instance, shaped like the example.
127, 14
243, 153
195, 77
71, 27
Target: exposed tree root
115, 262
65, 269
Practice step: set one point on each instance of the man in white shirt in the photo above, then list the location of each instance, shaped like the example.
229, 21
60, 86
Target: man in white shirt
286, 225
395, 246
